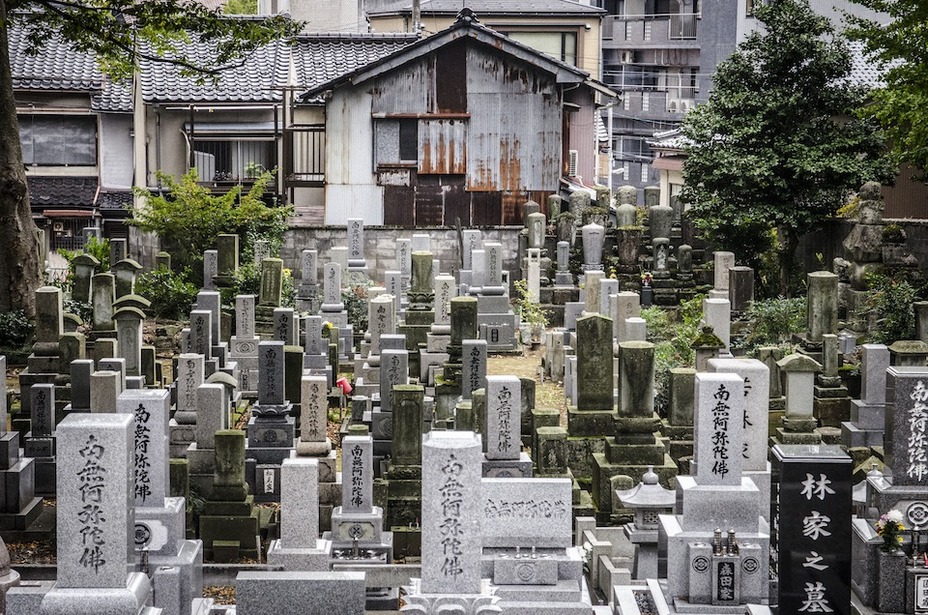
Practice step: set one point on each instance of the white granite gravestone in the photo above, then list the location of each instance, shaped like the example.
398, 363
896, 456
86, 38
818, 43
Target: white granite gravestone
503, 432
718, 434
451, 512
473, 366
95, 505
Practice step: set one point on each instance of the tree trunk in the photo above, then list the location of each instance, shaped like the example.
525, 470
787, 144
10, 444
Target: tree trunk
789, 241
20, 270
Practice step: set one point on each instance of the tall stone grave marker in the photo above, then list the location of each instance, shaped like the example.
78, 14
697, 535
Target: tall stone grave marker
451, 513
811, 525
299, 546
357, 524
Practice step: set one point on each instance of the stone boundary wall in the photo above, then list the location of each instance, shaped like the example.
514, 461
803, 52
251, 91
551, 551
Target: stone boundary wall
829, 242
380, 246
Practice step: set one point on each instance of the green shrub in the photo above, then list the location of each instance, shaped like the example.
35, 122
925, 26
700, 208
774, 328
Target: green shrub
772, 322
97, 248
529, 312
673, 343
84, 310
893, 233
890, 299
16, 329
170, 293
355, 299
192, 216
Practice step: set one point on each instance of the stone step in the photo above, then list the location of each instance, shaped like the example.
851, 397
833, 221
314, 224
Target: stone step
531, 608
563, 591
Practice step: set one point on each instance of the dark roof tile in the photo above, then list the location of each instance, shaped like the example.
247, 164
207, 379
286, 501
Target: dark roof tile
112, 198
258, 79
319, 58
57, 67
61, 191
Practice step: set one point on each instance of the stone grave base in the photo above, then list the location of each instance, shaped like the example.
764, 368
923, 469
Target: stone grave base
81, 601
178, 579
159, 529
300, 558
508, 468
231, 521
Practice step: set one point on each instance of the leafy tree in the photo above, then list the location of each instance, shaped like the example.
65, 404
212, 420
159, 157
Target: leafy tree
120, 33
191, 217
901, 104
778, 145
241, 7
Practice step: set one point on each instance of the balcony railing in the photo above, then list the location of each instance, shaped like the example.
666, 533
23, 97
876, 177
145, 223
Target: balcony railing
653, 28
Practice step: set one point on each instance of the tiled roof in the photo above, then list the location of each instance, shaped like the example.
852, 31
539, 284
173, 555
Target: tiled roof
461, 27
61, 191
493, 7
112, 198
57, 67
865, 71
115, 98
254, 81
672, 140
319, 58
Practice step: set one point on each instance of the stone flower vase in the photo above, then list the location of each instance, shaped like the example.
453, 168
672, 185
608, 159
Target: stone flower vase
891, 587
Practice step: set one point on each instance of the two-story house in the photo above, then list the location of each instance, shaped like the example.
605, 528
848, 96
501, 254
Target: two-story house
76, 137
465, 125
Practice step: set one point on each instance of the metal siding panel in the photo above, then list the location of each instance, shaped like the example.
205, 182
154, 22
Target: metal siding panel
408, 90
429, 208
397, 205
457, 201
515, 127
906, 198
483, 147
442, 146
486, 208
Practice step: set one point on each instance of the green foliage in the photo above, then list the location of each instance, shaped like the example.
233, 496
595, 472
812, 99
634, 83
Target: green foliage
191, 217
288, 289
778, 145
248, 282
97, 248
529, 312
16, 329
82, 309
893, 233
898, 44
772, 322
355, 299
100, 250
171, 294
673, 342
890, 298
241, 7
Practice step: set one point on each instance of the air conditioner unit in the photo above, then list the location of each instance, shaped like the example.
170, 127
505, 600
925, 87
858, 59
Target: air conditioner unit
672, 105
573, 157
685, 106
628, 57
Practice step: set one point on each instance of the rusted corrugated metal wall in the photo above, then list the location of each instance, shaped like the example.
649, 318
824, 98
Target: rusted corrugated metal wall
442, 146
515, 125
407, 90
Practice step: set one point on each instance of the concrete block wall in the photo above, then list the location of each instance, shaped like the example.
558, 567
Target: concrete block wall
380, 246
